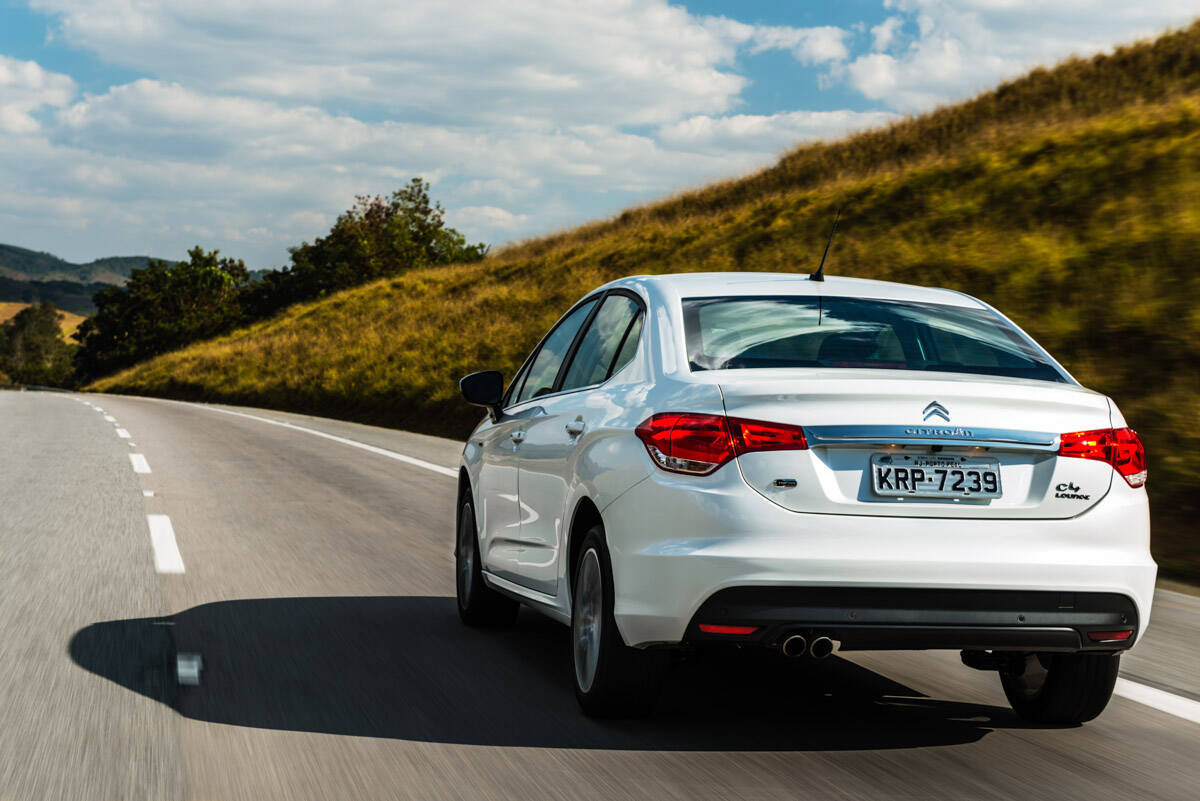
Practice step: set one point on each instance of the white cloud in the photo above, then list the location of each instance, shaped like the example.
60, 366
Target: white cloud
26, 88
818, 45
753, 135
807, 45
966, 46
630, 62
884, 34
490, 217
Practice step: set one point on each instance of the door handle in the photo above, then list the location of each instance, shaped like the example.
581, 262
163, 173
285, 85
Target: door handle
575, 427
517, 437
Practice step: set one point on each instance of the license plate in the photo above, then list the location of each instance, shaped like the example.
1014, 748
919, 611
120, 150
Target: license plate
934, 476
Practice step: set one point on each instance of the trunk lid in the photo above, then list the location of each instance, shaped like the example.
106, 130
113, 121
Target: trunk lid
849, 416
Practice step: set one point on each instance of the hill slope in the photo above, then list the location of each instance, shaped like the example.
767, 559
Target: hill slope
67, 321
1066, 198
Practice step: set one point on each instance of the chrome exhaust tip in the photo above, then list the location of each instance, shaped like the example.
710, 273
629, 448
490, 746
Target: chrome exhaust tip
794, 646
821, 648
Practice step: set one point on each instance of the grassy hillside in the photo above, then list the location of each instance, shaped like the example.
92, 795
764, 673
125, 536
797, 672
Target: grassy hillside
1067, 198
68, 321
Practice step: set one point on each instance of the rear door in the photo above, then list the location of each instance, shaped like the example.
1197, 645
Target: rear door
557, 429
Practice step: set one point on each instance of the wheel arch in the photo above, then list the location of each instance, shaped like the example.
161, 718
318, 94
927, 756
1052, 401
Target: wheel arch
585, 515
464, 489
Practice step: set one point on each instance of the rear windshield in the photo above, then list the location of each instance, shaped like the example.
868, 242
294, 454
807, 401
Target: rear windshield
788, 331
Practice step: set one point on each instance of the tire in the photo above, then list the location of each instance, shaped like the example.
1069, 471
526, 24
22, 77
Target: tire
611, 679
478, 604
1062, 688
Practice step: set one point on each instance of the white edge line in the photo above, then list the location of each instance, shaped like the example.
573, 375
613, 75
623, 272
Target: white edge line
399, 457
167, 558
140, 465
1161, 700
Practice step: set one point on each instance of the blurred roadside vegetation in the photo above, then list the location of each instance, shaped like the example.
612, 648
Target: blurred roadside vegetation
1069, 199
33, 349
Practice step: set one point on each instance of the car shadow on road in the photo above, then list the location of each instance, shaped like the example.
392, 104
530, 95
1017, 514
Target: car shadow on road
404, 667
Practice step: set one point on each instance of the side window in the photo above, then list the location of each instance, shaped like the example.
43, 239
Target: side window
510, 397
629, 346
546, 364
601, 342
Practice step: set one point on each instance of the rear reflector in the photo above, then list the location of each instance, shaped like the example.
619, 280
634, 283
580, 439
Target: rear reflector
682, 442
1110, 636
1120, 447
709, 628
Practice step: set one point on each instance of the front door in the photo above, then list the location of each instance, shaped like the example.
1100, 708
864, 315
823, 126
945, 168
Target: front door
498, 516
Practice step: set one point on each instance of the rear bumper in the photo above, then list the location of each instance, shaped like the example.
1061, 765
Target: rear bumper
883, 618
678, 541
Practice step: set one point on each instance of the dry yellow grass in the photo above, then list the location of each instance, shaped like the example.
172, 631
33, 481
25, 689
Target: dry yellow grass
1067, 198
68, 321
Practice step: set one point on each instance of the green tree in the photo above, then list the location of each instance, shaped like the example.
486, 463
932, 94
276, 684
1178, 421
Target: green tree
375, 238
32, 350
161, 308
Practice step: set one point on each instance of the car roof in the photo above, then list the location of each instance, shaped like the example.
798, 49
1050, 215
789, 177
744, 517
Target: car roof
701, 285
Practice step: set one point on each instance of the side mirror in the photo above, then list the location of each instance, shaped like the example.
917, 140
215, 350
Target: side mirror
485, 388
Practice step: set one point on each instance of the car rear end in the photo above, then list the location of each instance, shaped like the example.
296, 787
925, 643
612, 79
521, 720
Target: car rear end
885, 468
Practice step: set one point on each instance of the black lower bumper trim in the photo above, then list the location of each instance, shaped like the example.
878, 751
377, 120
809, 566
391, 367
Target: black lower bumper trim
879, 618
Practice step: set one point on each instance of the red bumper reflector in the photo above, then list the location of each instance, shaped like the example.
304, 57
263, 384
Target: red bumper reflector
1110, 636
709, 628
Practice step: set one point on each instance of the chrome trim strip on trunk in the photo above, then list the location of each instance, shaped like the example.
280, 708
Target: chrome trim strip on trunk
954, 436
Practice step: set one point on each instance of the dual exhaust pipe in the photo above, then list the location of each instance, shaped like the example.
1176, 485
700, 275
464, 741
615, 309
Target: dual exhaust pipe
796, 645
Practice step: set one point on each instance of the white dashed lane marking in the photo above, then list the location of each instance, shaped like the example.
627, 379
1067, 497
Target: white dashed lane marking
140, 465
110, 418
122, 433
167, 558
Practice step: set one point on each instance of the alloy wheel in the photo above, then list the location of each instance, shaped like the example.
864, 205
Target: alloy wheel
466, 556
587, 618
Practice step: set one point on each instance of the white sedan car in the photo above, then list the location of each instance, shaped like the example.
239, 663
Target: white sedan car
764, 459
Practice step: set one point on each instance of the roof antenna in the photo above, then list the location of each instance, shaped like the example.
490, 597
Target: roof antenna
819, 275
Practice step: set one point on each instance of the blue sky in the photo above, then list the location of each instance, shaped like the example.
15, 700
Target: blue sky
129, 127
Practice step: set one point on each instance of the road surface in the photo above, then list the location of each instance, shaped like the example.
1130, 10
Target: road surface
311, 573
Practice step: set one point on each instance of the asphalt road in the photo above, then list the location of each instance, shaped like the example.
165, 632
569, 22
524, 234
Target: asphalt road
317, 588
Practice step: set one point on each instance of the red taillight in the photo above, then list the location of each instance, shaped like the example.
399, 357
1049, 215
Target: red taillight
755, 435
687, 443
1110, 636
711, 628
1120, 447
1129, 456
700, 443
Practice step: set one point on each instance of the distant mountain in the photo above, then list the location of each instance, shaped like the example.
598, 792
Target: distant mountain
29, 276
22, 264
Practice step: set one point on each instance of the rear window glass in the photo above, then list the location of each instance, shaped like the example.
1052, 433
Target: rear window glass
787, 331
